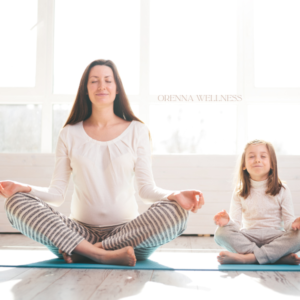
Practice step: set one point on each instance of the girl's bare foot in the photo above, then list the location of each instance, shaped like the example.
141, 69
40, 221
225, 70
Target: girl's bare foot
290, 259
226, 257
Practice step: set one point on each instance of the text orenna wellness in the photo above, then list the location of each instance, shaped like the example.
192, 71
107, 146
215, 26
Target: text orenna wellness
200, 98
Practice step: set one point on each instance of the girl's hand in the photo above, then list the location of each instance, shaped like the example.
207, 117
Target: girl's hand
9, 188
296, 224
188, 199
221, 218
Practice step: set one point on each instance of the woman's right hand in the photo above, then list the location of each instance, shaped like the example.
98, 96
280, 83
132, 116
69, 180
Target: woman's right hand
221, 218
9, 188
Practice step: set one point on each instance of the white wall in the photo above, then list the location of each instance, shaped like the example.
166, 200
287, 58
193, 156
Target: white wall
209, 173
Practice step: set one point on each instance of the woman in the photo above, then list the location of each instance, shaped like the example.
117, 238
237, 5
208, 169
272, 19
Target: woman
103, 144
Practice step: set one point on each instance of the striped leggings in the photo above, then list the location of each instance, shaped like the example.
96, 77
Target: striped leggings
161, 223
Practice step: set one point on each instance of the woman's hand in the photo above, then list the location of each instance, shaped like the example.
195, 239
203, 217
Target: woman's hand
9, 188
188, 199
221, 218
296, 224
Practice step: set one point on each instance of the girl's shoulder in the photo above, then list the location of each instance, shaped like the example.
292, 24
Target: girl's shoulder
284, 189
284, 184
236, 195
284, 193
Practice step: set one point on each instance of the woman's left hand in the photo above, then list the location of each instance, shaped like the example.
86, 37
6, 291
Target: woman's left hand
188, 199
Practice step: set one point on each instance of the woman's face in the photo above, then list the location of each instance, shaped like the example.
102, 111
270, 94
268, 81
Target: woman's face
101, 86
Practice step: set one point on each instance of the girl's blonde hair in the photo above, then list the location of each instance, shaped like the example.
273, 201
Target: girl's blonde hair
242, 186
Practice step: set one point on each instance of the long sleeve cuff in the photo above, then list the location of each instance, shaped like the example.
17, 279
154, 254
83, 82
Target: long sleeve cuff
152, 195
44, 195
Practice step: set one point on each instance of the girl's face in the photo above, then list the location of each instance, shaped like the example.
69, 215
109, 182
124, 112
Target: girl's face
101, 86
257, 162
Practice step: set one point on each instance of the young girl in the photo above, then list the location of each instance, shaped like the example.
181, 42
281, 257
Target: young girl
253, 232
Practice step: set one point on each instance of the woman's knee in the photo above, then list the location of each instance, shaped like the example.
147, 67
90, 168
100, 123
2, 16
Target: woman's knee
177, 214
12, 203
14, 200
15, 205
54, 250
144, 253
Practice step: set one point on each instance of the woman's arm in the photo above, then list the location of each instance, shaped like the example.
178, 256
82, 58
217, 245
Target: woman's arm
55, 193
187, 199
147, 188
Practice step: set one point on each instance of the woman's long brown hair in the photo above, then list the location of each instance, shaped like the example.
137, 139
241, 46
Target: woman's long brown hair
82, 107
243, 184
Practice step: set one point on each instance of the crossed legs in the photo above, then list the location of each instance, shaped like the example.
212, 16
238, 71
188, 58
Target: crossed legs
263, 246
163, 221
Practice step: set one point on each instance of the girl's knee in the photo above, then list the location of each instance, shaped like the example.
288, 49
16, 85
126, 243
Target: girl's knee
295, 236
220, 234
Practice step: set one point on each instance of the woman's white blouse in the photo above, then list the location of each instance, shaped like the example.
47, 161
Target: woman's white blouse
103, 175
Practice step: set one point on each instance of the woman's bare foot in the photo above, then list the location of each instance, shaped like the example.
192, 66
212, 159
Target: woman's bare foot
226, 257
88, 253
77, 258
290, 259
124, 257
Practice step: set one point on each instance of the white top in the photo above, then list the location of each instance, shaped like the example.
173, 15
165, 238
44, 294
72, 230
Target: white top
261, 210
103, 175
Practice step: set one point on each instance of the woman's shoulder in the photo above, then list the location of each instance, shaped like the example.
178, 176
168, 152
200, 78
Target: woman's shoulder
139, 124
70, 129
139, 127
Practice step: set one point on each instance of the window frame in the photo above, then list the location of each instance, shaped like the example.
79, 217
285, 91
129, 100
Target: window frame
42, 93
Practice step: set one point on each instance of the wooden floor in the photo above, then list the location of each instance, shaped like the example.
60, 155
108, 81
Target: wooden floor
24, 283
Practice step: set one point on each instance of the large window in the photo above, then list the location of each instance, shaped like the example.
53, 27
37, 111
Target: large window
276, 44
18, 35
205, 76
193, 47
96, 29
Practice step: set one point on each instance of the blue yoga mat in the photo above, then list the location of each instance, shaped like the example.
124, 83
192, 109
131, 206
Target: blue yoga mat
184, 261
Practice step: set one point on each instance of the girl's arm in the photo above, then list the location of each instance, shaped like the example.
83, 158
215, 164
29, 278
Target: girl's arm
55, 193
287, 208
236, 210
